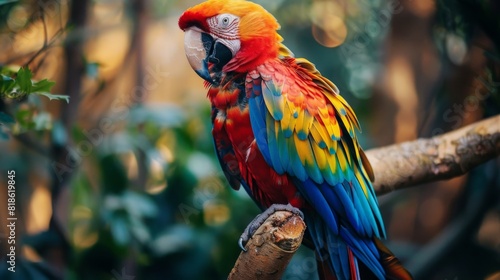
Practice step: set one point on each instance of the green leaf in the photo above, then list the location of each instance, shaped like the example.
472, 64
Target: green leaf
24, 79
6, 84
8, 70
43, 85
23, 117
6, 119
54, 96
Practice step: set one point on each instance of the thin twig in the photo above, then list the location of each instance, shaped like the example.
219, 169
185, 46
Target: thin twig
45, 39
49, 45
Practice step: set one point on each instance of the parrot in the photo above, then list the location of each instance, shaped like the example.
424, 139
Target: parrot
284, 133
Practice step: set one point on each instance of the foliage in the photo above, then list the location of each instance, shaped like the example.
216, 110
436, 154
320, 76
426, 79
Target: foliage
17, 87
153, 228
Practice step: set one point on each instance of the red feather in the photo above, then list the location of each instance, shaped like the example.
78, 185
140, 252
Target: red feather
352, 265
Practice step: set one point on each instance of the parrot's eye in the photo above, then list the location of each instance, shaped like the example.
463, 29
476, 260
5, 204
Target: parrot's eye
225, 21
224, 26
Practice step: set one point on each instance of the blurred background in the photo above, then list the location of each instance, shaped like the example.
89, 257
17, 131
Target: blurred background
122, 182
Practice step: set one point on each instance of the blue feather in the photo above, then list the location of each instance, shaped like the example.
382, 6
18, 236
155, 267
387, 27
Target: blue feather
329, 176
367, 220
332, 203
315, 197
273, 146
367, 253
351, 212
298, 169
257, 120
283, 151
332, 199
273, 99
314, 172
329, 247
342, 255
376, 211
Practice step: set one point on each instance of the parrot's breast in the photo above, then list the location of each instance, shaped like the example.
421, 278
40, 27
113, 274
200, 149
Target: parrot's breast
231, 116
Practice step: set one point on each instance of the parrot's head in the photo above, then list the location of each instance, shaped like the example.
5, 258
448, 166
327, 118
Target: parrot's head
222, 36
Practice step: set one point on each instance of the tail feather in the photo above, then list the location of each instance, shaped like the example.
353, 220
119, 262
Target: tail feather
342, 253
353, 265
337, 259
394, 270
364, 250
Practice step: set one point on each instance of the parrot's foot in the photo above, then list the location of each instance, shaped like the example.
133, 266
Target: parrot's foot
261, 218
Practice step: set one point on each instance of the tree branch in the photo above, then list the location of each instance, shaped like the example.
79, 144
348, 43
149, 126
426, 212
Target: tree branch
441, 157
271, 248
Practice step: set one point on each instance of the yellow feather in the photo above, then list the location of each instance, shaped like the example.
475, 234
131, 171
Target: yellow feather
336, 130
287, 115
329, 124
323, 113
332, 162
283, 50
320, 133
303, 150
350, 112
334, 145
341, 157
337, 104
308, 121
317, 136
361, 180
293, 119
300, 121
320, 156
347, 152
356, 149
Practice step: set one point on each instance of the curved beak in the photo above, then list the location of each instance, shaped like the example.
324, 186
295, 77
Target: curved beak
206, 55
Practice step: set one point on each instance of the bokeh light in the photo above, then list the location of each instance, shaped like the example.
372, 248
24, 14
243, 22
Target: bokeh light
328, 28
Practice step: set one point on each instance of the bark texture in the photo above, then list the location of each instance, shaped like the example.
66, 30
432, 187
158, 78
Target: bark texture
441, 157
271, 248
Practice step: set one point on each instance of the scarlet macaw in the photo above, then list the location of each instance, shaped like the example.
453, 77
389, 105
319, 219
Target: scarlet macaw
283, 132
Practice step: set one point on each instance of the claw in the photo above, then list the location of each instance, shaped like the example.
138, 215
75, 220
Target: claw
259, 220
242, 246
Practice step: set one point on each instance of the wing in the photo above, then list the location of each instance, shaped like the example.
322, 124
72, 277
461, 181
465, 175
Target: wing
304, 128
225, 152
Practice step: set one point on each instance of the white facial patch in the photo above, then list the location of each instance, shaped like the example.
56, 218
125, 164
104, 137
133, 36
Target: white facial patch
225, 29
